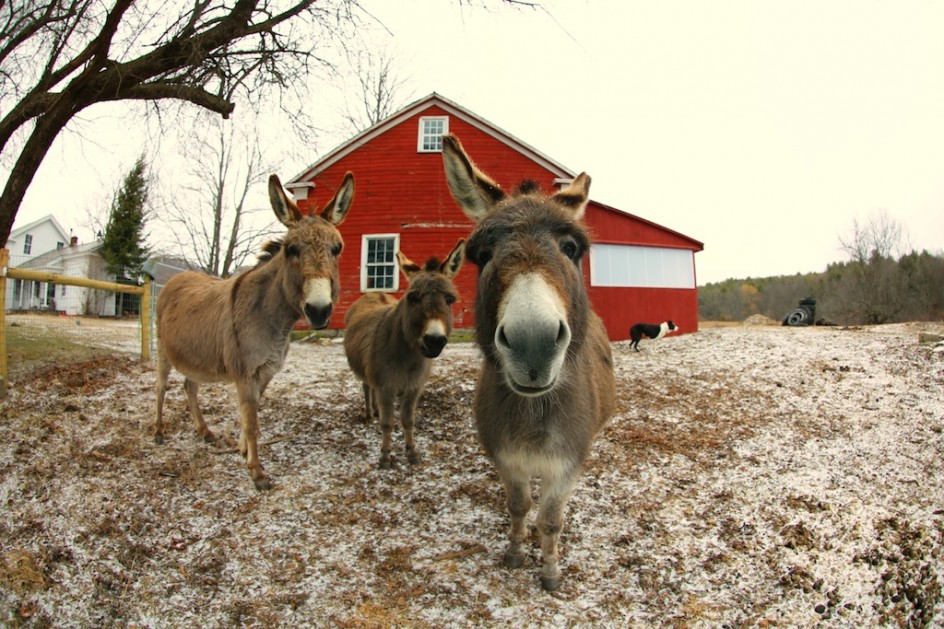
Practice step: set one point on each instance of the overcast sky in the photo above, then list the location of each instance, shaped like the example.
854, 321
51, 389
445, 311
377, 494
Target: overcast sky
762, 129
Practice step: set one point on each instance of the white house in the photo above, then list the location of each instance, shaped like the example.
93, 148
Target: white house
36, 238
75, 261
26, 243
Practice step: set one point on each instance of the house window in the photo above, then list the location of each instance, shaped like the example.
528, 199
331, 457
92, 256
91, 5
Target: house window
379, 262
648, 267
27, 244
60, 245
431, 132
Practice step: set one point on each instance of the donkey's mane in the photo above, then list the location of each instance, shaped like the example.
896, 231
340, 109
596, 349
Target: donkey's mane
432, 264
528, 186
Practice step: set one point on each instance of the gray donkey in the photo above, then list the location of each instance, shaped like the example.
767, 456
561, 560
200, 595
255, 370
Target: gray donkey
237, 329
546, 387
390, 344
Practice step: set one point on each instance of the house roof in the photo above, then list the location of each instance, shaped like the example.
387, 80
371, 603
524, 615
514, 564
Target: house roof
50, 258
432, 100
25, 228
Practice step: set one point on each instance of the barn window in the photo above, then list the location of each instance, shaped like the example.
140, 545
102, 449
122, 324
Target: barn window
27, 244
432, 129
379, 262
647, 267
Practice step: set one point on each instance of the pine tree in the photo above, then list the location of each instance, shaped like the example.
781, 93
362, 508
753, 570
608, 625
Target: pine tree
123, 246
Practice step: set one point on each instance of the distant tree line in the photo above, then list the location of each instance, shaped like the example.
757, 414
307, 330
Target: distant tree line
876, 285
881, 290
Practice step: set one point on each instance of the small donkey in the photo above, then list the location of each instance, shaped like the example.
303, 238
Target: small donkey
237, 329
546, 387
390, 344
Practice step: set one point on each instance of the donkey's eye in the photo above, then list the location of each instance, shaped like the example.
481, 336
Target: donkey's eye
413, 298
336, 249
450, 299
569, 249
292, 251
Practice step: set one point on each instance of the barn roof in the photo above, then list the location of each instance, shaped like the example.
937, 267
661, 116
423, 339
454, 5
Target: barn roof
432, 100
559, 171
696, 245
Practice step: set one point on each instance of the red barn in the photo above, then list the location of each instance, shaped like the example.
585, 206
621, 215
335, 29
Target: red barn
636, 270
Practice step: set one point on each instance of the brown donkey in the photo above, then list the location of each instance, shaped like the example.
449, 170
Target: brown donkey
237, 329
390, 344
546, 386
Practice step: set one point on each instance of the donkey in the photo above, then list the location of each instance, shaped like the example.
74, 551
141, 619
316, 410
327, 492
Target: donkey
546, 386
237, 329
390, 344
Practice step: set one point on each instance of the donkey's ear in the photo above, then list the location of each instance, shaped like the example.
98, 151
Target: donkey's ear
454, 260
474, 191
336, 209
409, 268
285, 208
576, 195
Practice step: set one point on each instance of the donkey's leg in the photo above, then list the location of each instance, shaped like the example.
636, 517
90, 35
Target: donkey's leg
192, 388
249, 394
518, 489
163, 371
368, 402
374, 408
555, 492
407, 420
388, 421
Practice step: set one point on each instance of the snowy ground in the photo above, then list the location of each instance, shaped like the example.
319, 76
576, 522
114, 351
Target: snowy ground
753, 476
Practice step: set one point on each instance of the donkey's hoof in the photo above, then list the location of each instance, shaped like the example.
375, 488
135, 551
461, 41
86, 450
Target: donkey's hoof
550, 584
263, 483
413, 457
209, 437
513, 560
159, 439
385, 463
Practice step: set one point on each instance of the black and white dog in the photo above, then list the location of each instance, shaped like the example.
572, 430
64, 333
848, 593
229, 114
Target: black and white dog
649, 330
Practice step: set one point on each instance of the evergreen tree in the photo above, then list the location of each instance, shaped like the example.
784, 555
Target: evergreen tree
123, 246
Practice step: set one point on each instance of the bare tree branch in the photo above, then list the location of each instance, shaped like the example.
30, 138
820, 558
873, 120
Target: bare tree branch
59, 57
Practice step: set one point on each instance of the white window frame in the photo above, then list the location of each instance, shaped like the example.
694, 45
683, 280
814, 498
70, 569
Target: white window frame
431, 141
27, 244
365, 239
636, 266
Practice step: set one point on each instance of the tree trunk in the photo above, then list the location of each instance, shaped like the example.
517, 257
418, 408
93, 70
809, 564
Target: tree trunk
44, 134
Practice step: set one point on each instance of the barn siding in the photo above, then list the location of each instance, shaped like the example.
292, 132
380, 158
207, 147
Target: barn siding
620, 308
401, 191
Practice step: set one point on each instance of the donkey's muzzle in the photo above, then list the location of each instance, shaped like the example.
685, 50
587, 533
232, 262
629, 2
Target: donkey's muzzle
318, 315
432, 345
532, 354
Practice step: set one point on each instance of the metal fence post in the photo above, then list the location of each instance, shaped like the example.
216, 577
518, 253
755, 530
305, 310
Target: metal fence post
145, 309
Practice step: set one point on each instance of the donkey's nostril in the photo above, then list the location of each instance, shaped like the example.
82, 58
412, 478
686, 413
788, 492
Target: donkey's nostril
563, 333
501, 339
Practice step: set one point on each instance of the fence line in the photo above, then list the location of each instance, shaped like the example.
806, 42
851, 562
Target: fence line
42, 276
